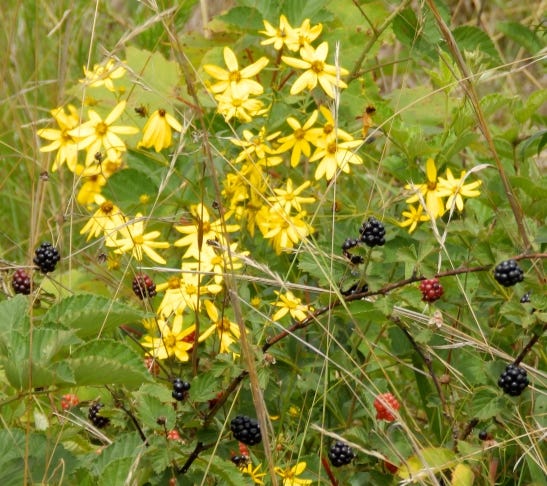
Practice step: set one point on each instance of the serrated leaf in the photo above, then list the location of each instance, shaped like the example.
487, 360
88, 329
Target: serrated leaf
245, 18
522, 35
107, 362
155, 403
429, 460
204, 387
14, 318
90, 315
470, 38
462, 476
485, 405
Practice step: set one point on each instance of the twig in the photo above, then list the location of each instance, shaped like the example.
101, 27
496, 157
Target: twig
528, 347
326, 465
200, 447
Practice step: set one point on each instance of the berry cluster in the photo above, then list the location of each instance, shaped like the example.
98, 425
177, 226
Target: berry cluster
384, 404
21, 282
46, 257
246, 430
180, 389
513, 380
97, 420
431, 289
373, 232
173, 435
143, 286
508, 273
341, 454
69, 400
348, 244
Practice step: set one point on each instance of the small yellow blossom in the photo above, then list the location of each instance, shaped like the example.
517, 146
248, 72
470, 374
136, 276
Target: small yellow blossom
429, 191
90, 189
290, 198
256, 474
103, 75
157, 130
227, 331
299, 141
334, 156
317, 136
95, 134
108, 220
173, 341
289, 304
257, 148
279, 36
456, 190
305, 35
289, 475
235, 79
65, 144
414, 216
284, 230
240, 106
138, 242
316, 70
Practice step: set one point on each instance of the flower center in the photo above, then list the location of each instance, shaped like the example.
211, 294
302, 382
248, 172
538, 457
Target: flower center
328, 128
431, 185
235, 76
170, 341
317, 66
161, 112
138, 240
191, 289
331, 148
173, 283
206, 227
101, 129
223, 325
299, 134
107, 207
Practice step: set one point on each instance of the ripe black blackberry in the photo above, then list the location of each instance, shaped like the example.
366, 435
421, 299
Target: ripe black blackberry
143, 286
508, 273
372, 232
246, 430
525, 299
97, 420
349, 243
513, 380
180, 389
341, 454
483, 435
46, 257
21, 282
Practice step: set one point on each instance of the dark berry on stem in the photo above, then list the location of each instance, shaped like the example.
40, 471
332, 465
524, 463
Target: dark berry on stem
21, 282
349, 243
180, 389
525, 299
508, 273
373, 232
97, 420
143, 286
341, 454
246, 430
46, 257
483, 435
513, 380
431, 289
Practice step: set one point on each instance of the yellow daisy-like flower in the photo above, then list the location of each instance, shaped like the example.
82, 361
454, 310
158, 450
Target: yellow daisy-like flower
108, 220
96, 134
289, 304
65, 144
318, 135
305, 35
90, 189
227, 331
456, 190
256, 474
316, 70
239, 106
279, 36
290, 198
429, 191
103, 75
173, 340
289, 475
256, 148
138, 242
235, 79
334, 156
414, 216
284, 230
299, 141
157, 131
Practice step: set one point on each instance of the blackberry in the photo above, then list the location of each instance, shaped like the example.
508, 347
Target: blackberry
372, 232
513, 380
97, 420
431, 289
483, 435
240, 461
46, 257
341, 454
180, 389
21, 282
525, 299
349, 243
508, 273
143, 286
246, 430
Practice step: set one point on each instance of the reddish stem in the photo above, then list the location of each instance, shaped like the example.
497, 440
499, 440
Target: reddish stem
328, 470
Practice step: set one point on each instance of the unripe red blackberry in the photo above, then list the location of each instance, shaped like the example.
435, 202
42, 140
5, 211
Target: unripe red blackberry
373, 232
341, 454
21, 282
384, 404
97, 420
246, 430
143, 286
69, 400
513, 380
431, 289
46, 257
508, 273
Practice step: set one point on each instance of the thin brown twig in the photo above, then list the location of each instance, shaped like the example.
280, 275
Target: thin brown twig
535, 338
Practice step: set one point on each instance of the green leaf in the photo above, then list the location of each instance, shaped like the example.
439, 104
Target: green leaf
14, 318
107, 362
462, 476
470, 38
485, 404
522, 35
127, 185
154, 401
204, 387
126, 446
429, 460
245, 18
91, 315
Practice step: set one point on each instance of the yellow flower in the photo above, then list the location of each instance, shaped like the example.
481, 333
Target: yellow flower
103, 74
256, 148
334, 156
284, 230
239, 106
65, 144
456, 190
138, 242
227, 331
95, 134
299, 141
173, 341
289, 198
235, 79
305, 35
414, 216
289, 475
317, 70
280, 36
255, 473
328, 130
108, 220
90, 189
289, 304
428, 191
157, 131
